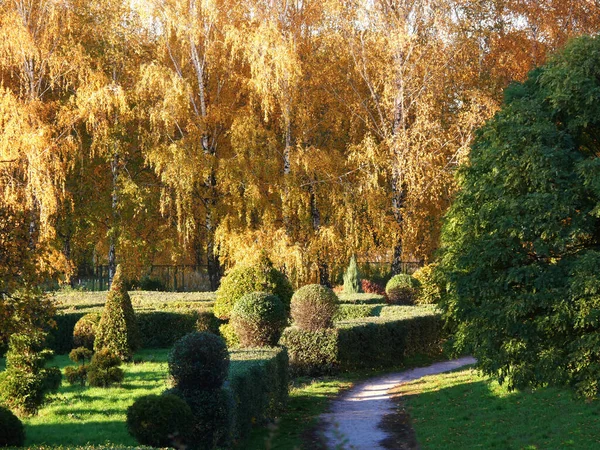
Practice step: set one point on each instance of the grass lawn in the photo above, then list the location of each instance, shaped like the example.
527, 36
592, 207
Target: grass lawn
462, 410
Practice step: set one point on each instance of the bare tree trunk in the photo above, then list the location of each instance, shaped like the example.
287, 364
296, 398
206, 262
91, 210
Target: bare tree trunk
112, 257
322, 266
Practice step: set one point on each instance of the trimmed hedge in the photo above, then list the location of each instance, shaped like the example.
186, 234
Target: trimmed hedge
347, 312
360, 299
158, 329
373, 342
258, 379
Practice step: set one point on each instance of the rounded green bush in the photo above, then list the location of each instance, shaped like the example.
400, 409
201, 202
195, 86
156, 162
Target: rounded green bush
117, 329
313, 307
199, 361
12, 432
160, 420
430, 291
227, 332
258, 319
80, 354
213, 417
242, 280
402, 289
76, 374
104, 369
84, 332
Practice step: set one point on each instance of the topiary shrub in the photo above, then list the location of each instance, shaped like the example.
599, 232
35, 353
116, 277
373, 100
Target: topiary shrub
242, 280
258, 319
104, 369
199, 361
402, 289
213, 417
352, 278
313, 307
12, 432
227, 332
117, 329
80, 355
25, 382
84, 332
430, 286
78, 374
160, 420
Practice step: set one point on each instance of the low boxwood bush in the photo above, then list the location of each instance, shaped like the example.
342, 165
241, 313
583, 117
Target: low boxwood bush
258, 319
311, 353
160, 420
313, 307
346, 312
371, 287
430, 291
259, 382
12, 432
242, 280
360, 299
228, 333
213, 415
199, 361
402, 289
104, 369
84, 332
373, 342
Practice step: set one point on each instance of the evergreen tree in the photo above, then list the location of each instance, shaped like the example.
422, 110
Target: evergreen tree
352, 278
117, 330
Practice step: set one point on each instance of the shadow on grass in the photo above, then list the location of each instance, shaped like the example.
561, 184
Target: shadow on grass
481, 414
79, 433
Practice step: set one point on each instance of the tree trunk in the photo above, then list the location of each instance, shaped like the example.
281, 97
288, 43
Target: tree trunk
112, 256
397, 260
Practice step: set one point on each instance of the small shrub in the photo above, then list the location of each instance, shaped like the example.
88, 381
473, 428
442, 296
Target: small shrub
147, 283
118, 329
213, 417
313, 307
104, 369
242, 280
160, 420
25, 382
402, 289
199, 361
80, 355
311, 353
76, 374
207, 322
161, 329
258, 319
430, 291
12, 432
84, 332
352, 278
370, 287
227, 332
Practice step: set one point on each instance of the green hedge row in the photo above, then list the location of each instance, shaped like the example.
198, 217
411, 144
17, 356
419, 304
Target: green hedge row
361, 299
347, 312
373, 342
258, 379
159, 329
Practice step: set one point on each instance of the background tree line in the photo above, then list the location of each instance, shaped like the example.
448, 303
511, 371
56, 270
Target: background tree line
200, 131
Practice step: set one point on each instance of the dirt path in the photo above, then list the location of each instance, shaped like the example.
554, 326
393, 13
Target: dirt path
354, 418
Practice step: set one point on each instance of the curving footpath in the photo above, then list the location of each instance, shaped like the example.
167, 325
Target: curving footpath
354, 417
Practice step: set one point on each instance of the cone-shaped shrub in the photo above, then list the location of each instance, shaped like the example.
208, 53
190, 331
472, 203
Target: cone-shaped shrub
352, 278
258, 319
118, 329
242, 280
313, 307
199, 361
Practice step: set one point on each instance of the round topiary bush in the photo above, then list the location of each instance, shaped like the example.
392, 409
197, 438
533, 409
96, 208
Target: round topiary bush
213, 417
258, 319
84, 332
199, 361
313, 307
117, 329
242, 280
160, 420
402, 289
12, 432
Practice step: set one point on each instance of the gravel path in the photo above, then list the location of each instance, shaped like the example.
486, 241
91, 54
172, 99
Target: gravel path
354, 417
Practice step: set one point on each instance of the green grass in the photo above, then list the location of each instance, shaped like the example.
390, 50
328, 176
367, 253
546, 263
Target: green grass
73, 300
462, 410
